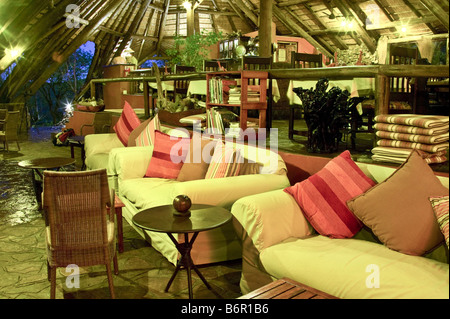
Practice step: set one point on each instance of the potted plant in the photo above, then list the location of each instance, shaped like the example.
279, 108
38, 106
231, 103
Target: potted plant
192, 50
327, 114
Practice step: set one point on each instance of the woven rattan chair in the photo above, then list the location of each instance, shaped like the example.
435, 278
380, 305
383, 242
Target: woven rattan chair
9, 127
79, 230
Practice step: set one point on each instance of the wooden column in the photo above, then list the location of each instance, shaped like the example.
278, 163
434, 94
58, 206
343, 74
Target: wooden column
190, 21
265, 28
382, 94
146, 94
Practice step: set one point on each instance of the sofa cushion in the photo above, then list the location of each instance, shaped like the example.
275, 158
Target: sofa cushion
127, 122
398, 209
356, 269
197, 159
323, 196
147, 136
440, 209
225, 162
135, 133
168, 155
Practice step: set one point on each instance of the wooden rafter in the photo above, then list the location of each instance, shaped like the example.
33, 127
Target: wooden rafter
161, 26
435, 8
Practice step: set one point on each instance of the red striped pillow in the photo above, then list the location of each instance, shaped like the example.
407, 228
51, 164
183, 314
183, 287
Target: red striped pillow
323, 196
127, 122
168, 156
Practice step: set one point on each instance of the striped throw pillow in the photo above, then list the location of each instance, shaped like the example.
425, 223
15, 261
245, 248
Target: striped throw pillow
168, 156
440, 208
225, 162
147, 136
323, 196
127, 122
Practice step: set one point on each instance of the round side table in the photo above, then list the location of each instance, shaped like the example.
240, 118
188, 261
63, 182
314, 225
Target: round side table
162, 219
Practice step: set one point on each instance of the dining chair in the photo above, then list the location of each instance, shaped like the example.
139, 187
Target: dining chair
9, 127
181, 86
257, 63
306, 60
301, 61
79, 229
213, 65
403, 90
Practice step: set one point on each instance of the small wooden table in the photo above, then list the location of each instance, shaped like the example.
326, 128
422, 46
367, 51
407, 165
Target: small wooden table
286, 288
44, 163
162, 219
77, 141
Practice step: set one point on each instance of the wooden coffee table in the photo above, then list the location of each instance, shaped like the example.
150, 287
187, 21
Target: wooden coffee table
286, 288
162, 219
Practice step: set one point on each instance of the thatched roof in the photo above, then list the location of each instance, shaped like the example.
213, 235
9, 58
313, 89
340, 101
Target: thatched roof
43, 34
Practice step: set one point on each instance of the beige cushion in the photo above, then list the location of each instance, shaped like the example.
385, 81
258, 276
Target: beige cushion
398, 210
348, 268
136, 132
196, 166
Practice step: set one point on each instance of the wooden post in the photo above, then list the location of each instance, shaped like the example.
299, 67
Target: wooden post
190, 21
265, 28
146, 100
92, 90
382, 94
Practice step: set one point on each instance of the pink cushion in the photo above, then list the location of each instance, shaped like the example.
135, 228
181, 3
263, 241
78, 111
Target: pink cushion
168, 156
127, 122
323, 196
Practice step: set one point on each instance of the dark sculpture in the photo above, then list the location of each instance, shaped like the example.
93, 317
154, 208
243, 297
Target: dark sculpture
327, 115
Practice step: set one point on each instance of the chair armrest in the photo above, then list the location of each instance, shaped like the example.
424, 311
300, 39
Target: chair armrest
269, 218
225, 191
101, 143
130, 162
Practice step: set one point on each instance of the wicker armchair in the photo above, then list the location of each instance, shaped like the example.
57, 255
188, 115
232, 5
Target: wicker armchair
9, 127
79, 229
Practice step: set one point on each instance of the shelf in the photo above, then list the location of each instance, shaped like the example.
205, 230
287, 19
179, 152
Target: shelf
245, 76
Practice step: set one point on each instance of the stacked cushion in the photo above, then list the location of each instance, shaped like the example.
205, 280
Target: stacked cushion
399, 134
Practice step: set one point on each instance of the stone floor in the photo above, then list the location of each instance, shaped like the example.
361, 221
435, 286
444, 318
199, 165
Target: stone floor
144, 273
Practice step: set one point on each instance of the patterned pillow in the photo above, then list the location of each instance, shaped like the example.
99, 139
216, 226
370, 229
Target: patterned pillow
440, 208
147, 136
127, 122
225, 162
323, 196
168, 156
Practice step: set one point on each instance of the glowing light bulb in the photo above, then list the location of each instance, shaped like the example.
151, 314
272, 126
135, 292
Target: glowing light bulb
404, 29
187, 5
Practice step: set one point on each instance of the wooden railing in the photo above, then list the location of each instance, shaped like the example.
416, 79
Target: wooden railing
381, 73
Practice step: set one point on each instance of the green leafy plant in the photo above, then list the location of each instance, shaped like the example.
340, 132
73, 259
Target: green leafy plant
192, 50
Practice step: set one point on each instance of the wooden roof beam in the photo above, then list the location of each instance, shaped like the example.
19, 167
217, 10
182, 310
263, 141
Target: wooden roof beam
134, 25
161, 26
418, 14
435, 8
344, 6
246, 20
249, 13
399, 24
288, 21
79, 40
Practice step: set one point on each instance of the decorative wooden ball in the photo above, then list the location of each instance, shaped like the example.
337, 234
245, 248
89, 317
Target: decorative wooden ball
182, 203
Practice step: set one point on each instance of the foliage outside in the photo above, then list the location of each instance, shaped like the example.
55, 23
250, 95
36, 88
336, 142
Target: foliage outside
52, 103
192, 50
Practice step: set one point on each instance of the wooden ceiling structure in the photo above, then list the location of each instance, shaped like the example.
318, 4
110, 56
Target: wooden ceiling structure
38, 36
